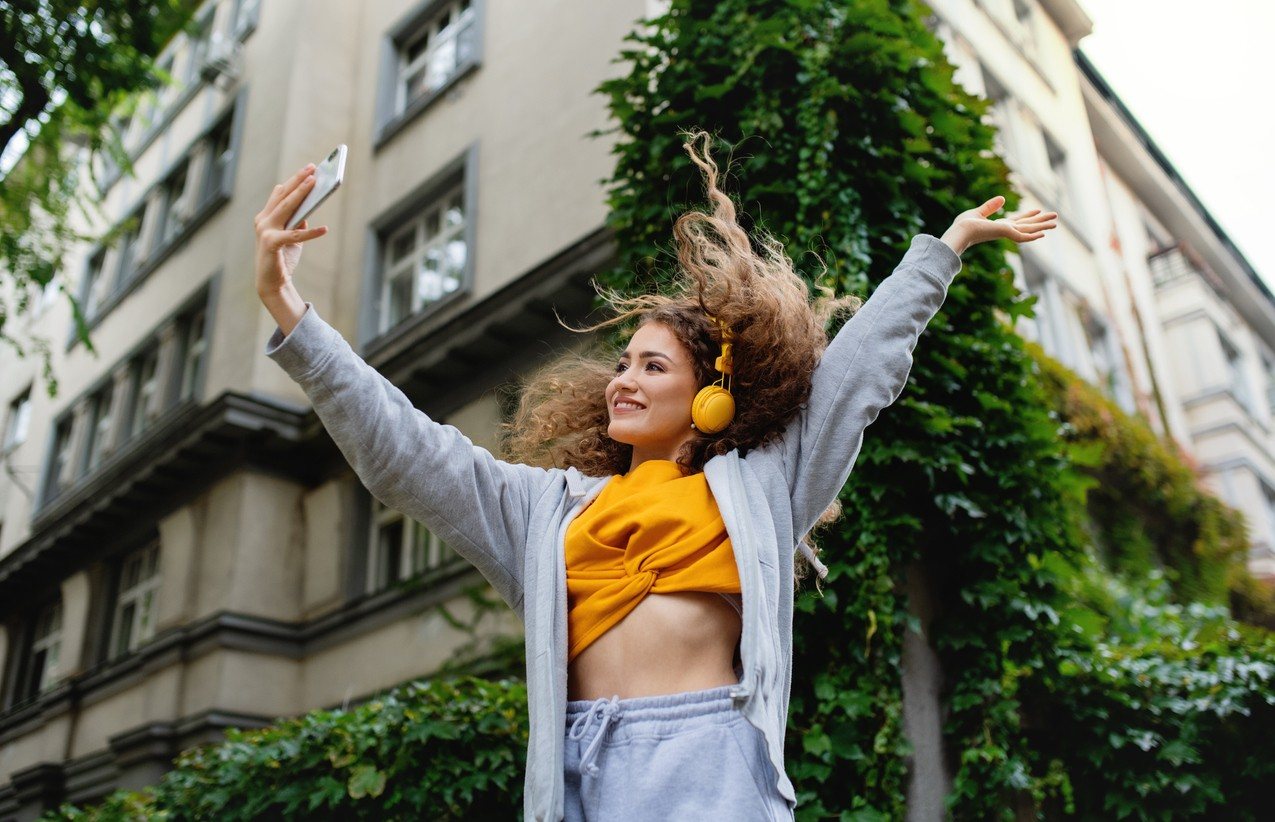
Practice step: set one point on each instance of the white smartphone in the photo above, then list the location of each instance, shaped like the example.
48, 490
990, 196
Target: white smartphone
327, 179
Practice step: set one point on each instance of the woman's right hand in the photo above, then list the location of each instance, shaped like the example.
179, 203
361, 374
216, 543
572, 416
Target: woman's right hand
279, 249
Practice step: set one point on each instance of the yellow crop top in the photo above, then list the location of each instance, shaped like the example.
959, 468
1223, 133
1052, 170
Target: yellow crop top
652, 529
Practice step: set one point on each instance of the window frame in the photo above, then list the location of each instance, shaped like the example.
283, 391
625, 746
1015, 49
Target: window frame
143, 403
420, 551
98, 431
174, 205
17, 424
60, 455
392, 112
1237, 382
37, 674
462, 172
423, 248
219, 180
190, 379
148, 561
196, 47
1268, 375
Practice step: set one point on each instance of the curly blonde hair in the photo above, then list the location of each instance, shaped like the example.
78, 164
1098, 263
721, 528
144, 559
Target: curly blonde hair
779, 335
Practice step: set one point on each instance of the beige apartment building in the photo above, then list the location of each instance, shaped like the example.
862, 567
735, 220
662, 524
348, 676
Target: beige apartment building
1212, 317
182, 547
1139, 290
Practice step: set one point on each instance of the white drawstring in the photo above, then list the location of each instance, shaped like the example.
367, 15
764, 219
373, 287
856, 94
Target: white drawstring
608, 709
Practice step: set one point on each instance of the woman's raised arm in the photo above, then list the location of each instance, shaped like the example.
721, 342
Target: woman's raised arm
866, 366
479, 505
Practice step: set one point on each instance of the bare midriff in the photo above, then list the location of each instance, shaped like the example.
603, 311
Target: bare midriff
669, 643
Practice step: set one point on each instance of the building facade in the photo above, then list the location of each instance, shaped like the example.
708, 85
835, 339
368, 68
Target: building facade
1139, 290
1214, 316
183, 549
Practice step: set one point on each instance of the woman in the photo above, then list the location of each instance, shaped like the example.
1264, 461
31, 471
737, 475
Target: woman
646, 535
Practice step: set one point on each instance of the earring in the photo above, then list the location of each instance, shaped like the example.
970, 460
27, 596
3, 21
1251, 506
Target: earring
693, 428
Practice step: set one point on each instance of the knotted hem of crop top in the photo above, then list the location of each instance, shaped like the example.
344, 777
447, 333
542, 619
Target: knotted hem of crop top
633, 532
635, 590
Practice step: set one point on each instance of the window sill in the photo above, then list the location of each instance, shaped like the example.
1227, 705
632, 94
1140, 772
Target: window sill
412, 326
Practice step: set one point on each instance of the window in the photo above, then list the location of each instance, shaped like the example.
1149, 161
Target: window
1235, 374
156, 98
243, 15
99, 426
61, 457
18, 421
174, 205
217, 176
130, 251
1014, 19
435, 52
134, 619
1057, 160
1262, 545
1268, 367
144, 398
401, 548
118, 128
1000, 115
424, 259
198, 49
1020, 30
47, 294
193, 345
95, 284
40, 665
1169, 265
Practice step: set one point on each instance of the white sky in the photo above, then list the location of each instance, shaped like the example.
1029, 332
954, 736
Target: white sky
1200, 79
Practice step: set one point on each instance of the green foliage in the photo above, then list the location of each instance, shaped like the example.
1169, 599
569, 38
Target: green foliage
65, 69
863, 140
1147, 503
1165, 705
433, 749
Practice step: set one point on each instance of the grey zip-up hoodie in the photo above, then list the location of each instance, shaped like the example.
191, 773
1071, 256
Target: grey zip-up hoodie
510, 520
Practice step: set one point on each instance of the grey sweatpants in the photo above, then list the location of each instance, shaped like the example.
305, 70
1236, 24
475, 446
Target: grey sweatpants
689, 755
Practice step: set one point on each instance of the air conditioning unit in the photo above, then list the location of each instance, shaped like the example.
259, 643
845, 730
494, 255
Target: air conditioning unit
223, 59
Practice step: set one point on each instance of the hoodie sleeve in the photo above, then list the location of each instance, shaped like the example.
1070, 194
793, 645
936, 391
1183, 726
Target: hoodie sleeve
479, 505
863, 370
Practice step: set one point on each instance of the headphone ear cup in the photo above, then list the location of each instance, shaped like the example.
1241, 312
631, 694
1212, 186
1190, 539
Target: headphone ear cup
713, 409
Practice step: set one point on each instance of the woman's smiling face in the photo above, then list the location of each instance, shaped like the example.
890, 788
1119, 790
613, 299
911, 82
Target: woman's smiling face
655, 374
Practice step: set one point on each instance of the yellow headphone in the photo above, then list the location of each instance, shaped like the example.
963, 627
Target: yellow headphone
714, 407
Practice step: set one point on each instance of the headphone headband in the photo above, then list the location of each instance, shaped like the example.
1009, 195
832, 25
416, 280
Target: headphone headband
714, 405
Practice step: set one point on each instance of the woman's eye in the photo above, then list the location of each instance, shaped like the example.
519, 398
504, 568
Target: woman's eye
620, 366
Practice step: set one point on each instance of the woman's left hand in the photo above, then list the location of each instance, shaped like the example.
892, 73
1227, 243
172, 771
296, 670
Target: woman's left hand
973, 226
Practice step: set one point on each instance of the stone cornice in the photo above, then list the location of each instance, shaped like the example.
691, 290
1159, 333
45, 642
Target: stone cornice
187, 451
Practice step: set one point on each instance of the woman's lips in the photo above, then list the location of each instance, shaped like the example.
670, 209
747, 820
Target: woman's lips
625, 409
